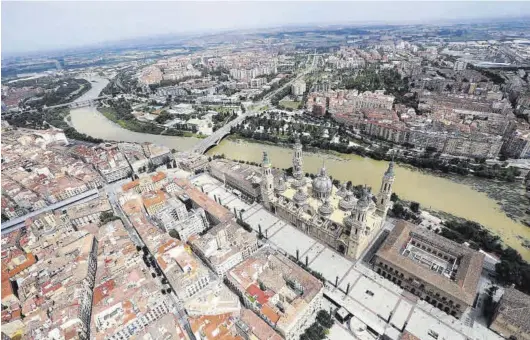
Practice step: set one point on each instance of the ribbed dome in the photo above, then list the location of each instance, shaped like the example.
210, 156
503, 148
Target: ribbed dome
326, 208
347, 202
342, 192
300, 196
365, 200
322, 184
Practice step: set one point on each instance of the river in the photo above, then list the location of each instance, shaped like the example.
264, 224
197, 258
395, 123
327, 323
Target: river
88, 120
434, 192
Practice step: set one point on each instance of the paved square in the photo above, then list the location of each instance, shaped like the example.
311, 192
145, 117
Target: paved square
374, 297
209, 188
251, 210
221, 193
205, 179
424, 326
314, 251
273, 229
401, 314
235, 202
289, 239
261, 217
352, 276
336, 332
331, 265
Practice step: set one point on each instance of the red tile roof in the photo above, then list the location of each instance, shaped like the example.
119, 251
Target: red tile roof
260, 295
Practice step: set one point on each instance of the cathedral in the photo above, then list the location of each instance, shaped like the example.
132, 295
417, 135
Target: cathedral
332, 215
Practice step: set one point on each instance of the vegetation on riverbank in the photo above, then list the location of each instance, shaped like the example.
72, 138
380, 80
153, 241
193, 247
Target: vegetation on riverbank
120, 112
42, 120
61, 91
311, 136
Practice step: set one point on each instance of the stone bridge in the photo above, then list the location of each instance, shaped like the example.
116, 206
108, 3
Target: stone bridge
76, 104
217, 136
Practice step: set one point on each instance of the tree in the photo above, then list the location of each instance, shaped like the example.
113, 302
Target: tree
173, 233
398, 210
489, 303
325, 319
415, 207
394, 197
107, 216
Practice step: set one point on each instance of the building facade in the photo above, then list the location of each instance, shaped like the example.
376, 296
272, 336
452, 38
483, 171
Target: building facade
437, 270
334, 216
512, 315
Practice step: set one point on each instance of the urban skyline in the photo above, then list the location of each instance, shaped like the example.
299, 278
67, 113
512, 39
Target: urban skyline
94, 23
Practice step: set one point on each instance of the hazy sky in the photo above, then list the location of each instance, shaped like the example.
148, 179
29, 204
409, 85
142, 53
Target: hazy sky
32, 26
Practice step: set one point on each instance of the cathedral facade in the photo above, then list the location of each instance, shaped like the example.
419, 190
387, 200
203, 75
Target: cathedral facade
332, 215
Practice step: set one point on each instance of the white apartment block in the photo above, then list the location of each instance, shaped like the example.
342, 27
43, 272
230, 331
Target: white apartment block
171, 213
195, 223
298, 88
460, 65
103, 320
115, 174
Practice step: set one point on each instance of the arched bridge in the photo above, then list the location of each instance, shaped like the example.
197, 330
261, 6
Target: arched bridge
76, 104
217, 136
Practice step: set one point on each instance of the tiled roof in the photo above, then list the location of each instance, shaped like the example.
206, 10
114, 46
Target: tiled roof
153, 199
270, 314
514, 307
130, 185
259, 328
158, 176
260, 295
204, 201
468, 274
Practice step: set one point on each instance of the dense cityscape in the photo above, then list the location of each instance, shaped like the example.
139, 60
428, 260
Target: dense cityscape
341, 182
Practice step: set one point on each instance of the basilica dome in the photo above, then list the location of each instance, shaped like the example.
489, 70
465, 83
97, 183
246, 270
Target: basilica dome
322, 185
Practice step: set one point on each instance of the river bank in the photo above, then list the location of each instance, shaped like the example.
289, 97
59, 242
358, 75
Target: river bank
144, 127
510, 195
89, 121
466, 197
432, 192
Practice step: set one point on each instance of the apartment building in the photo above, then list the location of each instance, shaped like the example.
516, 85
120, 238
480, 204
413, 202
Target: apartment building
278, 290
88, 212
224, 246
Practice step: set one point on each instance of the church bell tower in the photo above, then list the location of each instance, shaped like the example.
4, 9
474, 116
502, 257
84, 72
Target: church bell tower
267, 182
383, 198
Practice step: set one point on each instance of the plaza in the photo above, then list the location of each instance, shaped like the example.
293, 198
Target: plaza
381, 305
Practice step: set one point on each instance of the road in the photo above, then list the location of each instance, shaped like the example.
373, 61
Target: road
254, 109
178, 308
